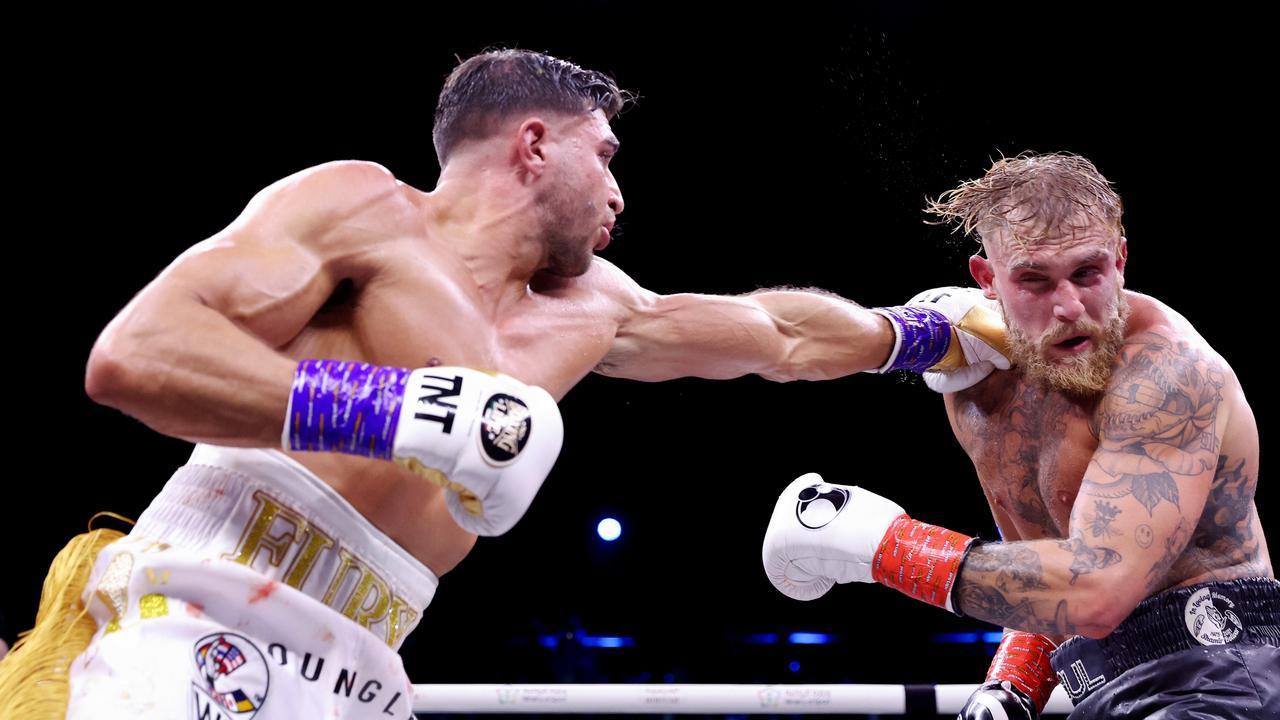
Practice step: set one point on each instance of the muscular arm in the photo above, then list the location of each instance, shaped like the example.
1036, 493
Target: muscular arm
194, 354
1159, 435
778, 334
1009, 535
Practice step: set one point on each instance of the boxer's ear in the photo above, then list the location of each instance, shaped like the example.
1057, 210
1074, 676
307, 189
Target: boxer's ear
981, 270
529, 147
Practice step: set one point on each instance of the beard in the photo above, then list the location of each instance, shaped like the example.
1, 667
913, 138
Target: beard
567, 256
564, 217
1083, 375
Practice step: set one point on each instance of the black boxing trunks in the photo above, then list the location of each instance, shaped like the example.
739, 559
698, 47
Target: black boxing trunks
1205, 651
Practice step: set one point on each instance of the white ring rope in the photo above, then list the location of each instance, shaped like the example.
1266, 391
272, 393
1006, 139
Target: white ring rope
698, 699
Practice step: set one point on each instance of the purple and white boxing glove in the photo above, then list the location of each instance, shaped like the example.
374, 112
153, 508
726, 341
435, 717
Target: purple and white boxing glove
952, 335
487, 438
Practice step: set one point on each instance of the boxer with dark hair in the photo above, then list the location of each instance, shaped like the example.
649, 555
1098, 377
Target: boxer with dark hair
333, 483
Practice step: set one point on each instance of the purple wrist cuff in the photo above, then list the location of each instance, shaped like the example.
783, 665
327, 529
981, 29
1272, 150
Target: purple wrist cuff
343, 406
924, 337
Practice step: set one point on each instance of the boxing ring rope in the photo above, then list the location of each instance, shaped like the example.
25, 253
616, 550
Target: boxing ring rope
703, 699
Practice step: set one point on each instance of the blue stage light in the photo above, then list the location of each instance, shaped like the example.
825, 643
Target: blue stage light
606, 641
808, 638
609, 529
964, 638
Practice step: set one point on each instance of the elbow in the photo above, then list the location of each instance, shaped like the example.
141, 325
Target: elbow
1093, 627
1101, 607
109, 376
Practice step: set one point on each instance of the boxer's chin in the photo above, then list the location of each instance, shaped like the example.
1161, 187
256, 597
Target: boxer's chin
1077, 372
1083, 375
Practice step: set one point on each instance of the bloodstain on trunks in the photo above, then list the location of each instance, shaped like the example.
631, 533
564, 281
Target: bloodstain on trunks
263, 591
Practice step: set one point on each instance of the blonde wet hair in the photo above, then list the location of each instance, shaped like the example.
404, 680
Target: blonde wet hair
1031, 198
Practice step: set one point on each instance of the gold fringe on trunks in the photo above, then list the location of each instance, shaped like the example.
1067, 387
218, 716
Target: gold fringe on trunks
35, 678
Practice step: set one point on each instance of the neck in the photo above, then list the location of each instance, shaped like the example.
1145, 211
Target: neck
489, 218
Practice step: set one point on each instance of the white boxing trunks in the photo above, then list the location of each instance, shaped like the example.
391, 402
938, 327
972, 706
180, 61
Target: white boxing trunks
249, 589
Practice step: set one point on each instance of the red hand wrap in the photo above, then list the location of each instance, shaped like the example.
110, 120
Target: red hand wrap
920, 559
1023, 659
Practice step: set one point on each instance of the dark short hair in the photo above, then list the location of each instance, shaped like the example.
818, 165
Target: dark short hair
492, 86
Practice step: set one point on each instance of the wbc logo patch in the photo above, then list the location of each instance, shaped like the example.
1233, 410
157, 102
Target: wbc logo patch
231, 678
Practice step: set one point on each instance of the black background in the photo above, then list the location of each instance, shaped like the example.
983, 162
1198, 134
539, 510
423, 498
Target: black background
786, 145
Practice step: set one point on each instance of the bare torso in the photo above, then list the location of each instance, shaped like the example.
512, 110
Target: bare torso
1031, 449
344, 262
416, 304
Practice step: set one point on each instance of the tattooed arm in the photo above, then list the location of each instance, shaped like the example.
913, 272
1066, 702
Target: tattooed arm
1159, 429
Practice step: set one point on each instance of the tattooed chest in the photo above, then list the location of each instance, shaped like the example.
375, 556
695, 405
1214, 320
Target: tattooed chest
1030, 451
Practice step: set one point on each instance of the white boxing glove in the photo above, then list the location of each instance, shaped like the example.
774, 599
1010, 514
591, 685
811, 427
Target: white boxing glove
953, 335
489, 439
822, 534
980, 330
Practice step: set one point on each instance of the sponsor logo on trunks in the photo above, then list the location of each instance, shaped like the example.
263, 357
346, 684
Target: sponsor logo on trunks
231, 678
505, 425
1211, 618
280, 542
1077, 682
819, 504
354, 684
